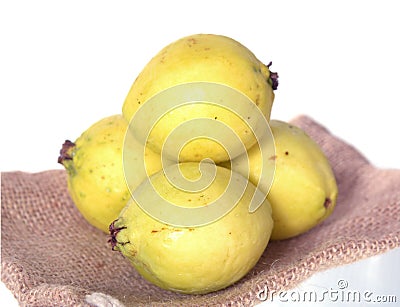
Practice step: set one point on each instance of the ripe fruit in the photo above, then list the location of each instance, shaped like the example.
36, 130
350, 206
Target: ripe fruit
202, 58
304, 189
197, 259
94, 164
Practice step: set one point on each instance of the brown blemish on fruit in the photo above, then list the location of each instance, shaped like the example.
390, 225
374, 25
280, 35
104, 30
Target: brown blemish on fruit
191, 42
273, 158
286, 153
155, 230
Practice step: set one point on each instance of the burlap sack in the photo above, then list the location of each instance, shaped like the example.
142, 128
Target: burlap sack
52, 257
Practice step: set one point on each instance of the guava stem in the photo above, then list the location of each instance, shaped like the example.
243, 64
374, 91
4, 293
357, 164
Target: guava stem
273, 78
327, 203
65, 152
114, 230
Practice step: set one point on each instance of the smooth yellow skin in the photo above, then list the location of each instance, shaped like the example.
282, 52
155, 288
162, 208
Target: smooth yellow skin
199, 259
195, 58
96, 179
304, 189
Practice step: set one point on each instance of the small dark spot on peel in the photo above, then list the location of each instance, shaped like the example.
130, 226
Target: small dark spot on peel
159, 230
327, 203
286, 153
191, 42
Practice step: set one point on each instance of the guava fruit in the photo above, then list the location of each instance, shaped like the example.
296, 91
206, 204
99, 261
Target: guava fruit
304, 189
95, 169
199, 258
208, 58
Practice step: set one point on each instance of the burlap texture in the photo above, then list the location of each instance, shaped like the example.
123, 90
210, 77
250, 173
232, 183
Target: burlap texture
52, 257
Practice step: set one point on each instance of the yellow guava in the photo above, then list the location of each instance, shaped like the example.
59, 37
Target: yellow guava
199, 258
95, 168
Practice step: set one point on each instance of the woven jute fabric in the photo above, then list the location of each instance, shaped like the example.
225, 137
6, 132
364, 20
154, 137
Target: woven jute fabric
52, 257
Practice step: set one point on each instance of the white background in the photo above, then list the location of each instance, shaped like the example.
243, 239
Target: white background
66, 64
